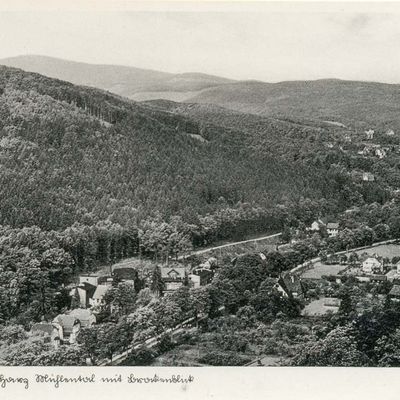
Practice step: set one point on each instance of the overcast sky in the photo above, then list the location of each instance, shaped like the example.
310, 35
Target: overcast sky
265, 43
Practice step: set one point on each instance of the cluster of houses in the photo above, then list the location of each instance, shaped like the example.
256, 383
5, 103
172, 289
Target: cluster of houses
89, 293
367, 268
370, 133
332, 228
64, 328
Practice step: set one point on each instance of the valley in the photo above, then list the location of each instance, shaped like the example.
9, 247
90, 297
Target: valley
139, 200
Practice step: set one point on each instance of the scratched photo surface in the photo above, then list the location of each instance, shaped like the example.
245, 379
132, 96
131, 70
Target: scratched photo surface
213, 185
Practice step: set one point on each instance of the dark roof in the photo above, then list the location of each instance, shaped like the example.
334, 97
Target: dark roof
291, 284
90, 289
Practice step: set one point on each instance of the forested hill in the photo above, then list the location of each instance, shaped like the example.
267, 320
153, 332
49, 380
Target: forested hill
356, 104
70, 153
121, 80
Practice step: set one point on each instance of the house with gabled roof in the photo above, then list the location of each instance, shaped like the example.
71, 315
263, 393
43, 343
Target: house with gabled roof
290, 285
173, 276
332, 228
69, 327
390, 132
368, 177
316, 225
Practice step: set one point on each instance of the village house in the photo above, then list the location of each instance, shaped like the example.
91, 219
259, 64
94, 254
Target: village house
390, 132
290, 286
332, 228
92, 279
370, 134
316, 226
368, 177
372, 265
69, 328
173, 277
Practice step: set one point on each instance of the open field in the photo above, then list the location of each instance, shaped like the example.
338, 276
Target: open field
320, 270
320, 307
383, 250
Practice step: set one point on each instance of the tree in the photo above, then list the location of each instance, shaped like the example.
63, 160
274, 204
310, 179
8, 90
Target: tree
337, 349
121, 300
63, 356
157, 283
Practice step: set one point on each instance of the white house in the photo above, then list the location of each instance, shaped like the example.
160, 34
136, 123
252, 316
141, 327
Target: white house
316, 226
390, 132
368, 177
370, 134
371, 265
332, 229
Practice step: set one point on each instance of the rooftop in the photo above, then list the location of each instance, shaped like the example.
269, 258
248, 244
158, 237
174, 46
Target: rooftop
100, 292
85, 316
67, 322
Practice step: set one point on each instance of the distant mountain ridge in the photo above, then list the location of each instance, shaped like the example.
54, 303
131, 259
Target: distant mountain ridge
121, 80
355, 104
